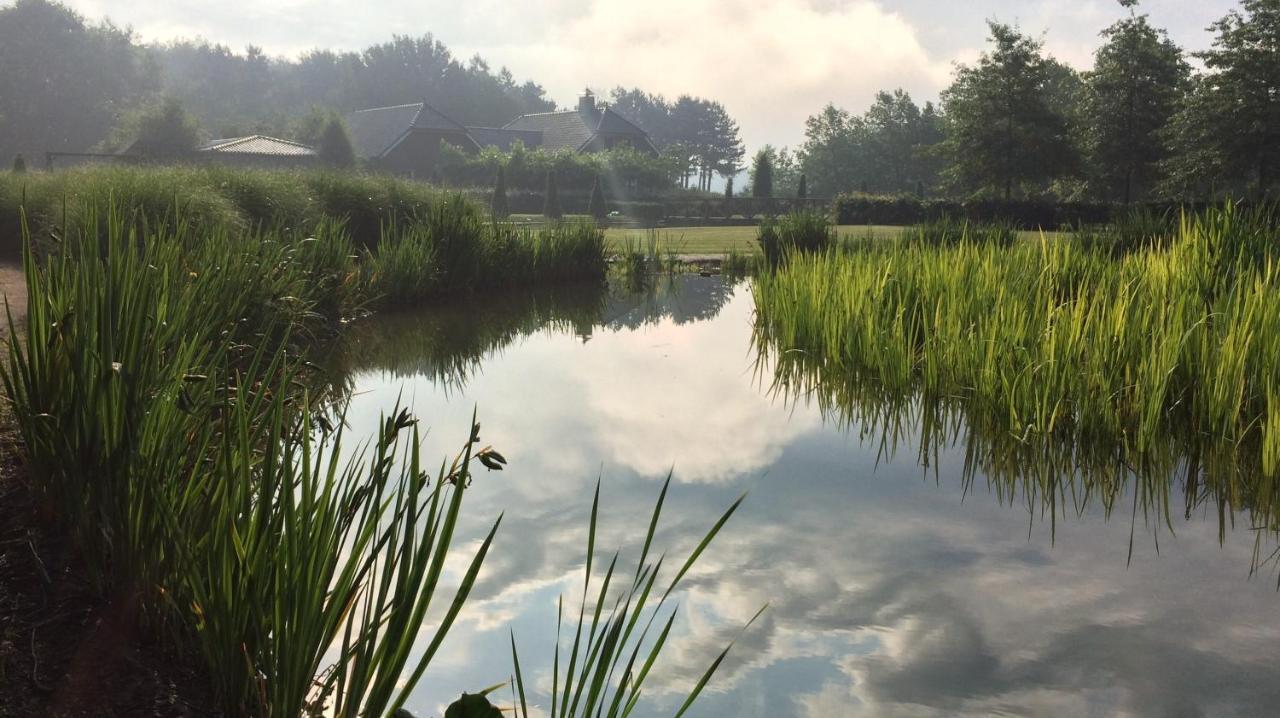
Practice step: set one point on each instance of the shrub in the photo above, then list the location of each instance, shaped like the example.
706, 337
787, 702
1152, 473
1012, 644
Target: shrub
334, 146
551, 198
804, 232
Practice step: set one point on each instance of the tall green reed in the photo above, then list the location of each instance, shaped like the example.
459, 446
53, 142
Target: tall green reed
161, 391
608, 663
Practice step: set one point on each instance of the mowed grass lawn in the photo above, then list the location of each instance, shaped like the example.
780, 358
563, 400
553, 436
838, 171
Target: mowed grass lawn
721, 240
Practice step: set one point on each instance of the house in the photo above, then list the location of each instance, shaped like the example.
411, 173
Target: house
405, 139
252, 151
587, 128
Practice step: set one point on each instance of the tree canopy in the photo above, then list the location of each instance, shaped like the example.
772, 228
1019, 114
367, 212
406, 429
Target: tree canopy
890, 148
697, 131
166, 131
1003, 131
1138, 82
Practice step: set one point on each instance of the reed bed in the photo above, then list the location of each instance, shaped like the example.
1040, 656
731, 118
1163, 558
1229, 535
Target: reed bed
175, 426
1058, 339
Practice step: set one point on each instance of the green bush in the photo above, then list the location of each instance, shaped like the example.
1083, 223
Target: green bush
803, 232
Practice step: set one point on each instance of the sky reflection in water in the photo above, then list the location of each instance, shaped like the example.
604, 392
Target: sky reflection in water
891, 591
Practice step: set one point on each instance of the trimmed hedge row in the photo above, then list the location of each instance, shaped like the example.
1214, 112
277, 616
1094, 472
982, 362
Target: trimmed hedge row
860, 208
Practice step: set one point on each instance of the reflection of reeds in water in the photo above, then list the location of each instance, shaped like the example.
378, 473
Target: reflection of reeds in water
1052, 477
1072, 376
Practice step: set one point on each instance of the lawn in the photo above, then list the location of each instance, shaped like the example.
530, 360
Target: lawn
718, 240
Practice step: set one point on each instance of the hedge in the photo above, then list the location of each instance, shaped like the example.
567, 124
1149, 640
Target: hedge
858, 208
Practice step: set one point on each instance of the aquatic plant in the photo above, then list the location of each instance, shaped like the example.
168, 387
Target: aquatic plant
1059, 340
607, 665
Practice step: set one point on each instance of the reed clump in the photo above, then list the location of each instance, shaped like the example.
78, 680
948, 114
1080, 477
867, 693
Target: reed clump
1056, 337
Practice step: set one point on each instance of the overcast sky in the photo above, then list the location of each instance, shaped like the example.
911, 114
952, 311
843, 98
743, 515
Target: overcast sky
771, 62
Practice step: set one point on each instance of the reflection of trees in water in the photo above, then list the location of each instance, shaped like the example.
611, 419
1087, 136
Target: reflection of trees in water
1056, 475
448, 342
681, 298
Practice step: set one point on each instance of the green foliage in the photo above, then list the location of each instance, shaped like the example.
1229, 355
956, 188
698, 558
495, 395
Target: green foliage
1063, 340
613, 647
1225, 138
697, 136
64, 79
728, 188
166, 132
499, 204
1136, 86
168, 413
551, 198
888, 148
1026, 214
1004, 132
626, 171
802, 192
762, 175
804, 232
333, 148
597, 207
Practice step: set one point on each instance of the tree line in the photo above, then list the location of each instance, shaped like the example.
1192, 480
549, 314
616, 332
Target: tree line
1140, 124
70, 84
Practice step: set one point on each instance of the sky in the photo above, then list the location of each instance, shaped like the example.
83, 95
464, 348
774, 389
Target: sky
771, 62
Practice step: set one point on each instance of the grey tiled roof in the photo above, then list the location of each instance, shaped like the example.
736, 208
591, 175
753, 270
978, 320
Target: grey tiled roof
374, 131
503, 138
258, 145
377, 130
560, 130
572, 129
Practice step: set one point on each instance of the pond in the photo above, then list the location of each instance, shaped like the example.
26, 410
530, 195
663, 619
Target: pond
902, 576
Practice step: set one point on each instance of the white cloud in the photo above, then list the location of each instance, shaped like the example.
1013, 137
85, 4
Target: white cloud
771, 62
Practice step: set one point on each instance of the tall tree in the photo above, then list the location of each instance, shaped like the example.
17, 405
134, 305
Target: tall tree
1138, 82
166, 132
1003, 132
762, 174
1242, 92
890, 147
596, 207
64, 82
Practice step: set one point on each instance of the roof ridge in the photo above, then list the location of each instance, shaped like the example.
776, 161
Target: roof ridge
391, 107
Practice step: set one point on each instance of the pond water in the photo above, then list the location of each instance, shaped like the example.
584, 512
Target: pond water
898, 581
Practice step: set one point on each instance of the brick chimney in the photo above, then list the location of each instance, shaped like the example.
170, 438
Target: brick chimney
587, 103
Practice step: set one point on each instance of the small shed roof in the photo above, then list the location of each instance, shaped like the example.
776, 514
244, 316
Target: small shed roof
258, 145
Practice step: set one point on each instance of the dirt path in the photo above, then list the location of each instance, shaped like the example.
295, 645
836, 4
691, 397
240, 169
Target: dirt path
13, 289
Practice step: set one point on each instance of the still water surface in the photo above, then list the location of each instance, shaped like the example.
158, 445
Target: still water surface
895, 588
